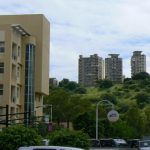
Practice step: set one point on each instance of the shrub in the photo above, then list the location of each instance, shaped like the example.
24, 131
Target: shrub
136, 89
141, 76
109, 97
126, 90
133, 86
142, 99
118, 93
104, 84
15, 136
80, 90
147, 90
66, 137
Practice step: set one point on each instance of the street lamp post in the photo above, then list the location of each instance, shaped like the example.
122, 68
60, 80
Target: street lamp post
101, 102
51, 114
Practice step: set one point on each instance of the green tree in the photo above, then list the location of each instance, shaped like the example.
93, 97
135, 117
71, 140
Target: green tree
64, 83
142, 99
72, 85
147, 120
141, 76
104, 84
69, 138
80, 90
134, 119
110, 97
127, 80
69, 85
76, 106
66, 106
15, 136
59, 100
120, 129
86, 123
42, 129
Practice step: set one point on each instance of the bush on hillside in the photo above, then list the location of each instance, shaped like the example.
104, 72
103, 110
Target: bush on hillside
80, 90
118, 93
110, 97
69, 85
104, 84
141, 76
142, 99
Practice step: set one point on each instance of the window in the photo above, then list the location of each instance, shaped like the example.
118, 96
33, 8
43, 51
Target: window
1, 67
18, 92
1, 89
18, 71
2, 47
18, 50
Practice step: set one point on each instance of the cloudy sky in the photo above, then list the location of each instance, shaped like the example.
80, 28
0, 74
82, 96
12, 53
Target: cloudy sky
86, 27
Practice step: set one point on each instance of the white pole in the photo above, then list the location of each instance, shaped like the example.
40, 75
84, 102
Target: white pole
51, 113
97, 121
112, 106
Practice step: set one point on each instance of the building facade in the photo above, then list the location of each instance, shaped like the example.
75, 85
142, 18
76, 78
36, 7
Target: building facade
138, 63
113, 68
24, 64
90, 70
53, 82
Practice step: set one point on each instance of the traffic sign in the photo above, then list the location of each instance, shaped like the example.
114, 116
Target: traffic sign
113, 116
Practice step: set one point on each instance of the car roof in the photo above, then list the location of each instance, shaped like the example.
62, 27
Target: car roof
144, 140
49, 147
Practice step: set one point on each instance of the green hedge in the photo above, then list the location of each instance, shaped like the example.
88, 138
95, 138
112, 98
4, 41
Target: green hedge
69, 138
15, 136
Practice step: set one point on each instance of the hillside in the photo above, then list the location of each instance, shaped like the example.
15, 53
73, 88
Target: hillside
77, 104
132, 92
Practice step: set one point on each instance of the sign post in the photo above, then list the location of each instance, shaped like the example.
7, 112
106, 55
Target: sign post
112, 115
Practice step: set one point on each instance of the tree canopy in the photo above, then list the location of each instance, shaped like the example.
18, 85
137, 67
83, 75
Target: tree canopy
69, 138
69, 85
16, 136
131, 100
103, 84
141, 76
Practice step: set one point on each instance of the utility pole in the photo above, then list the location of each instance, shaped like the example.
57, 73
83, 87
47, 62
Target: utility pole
102, 102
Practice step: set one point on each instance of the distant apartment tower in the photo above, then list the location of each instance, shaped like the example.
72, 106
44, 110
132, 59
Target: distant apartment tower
113, 68
138, 63
90, 70
53, 82
24, 64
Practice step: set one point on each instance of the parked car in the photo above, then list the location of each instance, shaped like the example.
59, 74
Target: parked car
94, 143
113, 143
144, 145
133, 143
45, 142
48, 148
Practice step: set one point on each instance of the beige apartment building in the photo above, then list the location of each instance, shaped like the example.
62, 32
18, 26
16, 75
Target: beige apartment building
90, 70
113, 68
24, 64
138, 63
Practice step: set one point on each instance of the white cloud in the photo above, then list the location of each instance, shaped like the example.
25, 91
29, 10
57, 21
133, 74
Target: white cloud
87, 27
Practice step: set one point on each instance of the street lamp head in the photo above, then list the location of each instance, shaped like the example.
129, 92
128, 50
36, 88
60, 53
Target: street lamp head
44, 106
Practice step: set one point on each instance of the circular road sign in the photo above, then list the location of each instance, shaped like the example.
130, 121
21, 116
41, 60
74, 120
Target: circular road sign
113, 116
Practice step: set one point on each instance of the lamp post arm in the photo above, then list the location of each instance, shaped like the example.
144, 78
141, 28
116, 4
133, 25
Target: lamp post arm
101, 102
